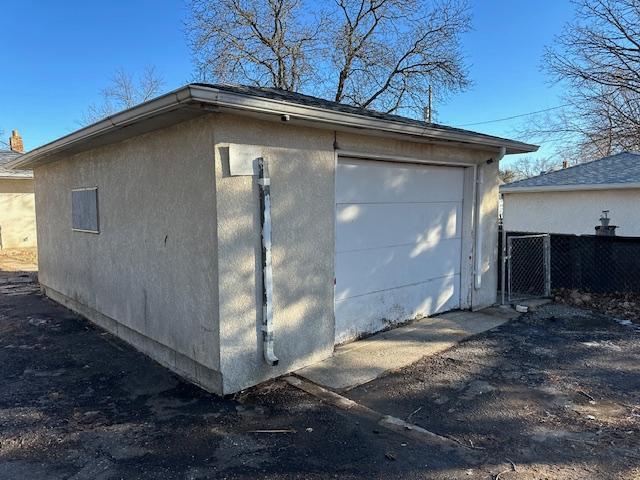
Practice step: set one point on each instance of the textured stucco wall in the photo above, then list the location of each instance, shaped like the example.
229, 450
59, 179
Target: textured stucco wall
489, 197
301, 163
179, 246
152, 268
572, 212
302, 168
17, 214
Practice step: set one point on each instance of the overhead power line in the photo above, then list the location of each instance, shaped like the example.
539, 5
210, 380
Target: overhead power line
515, 116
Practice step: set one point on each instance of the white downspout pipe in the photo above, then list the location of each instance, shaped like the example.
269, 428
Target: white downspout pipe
267, 272
478, 219
478, 248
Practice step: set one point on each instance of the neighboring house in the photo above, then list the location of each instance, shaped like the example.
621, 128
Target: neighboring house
150, 224
571, 200
17, 208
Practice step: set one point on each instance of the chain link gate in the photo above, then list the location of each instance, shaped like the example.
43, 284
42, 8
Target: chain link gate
528, 267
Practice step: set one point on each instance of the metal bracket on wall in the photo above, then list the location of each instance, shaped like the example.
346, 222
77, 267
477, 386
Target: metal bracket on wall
244, 159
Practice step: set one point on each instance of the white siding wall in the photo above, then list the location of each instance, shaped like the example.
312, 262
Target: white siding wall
17, 214
572, 212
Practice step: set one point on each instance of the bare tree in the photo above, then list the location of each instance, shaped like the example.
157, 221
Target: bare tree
380, 54
598, 57
507, 175
124, 91
388, 52
527, 167
259, 42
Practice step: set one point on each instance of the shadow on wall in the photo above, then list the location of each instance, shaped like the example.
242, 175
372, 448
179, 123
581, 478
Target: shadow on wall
396, 260
302, 286
301, 289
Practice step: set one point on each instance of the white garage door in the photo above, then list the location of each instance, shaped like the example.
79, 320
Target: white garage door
398, 241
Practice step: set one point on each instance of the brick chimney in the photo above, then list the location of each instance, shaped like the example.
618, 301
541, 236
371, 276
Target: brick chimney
15, 142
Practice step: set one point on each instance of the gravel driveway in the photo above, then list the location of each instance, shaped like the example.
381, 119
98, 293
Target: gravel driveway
555, 392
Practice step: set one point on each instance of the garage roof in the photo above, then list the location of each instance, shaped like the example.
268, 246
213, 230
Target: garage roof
269, 103
301, 99
621, 170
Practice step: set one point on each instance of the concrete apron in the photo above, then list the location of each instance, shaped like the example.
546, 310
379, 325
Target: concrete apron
360, 362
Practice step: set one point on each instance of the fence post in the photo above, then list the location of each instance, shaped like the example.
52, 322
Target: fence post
509, 250
546, 242
503, 255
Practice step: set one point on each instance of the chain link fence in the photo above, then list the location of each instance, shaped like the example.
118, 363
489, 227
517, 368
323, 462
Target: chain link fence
535, 264
528, 266
596, 264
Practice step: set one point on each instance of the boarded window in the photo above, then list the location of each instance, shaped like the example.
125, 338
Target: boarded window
84, 209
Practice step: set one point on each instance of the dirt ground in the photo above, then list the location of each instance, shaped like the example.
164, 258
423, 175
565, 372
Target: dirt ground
621, 305
556, 392
77, 403
18, 259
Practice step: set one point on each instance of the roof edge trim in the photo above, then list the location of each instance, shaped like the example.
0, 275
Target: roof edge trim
156, 106
210, 95
570, 188
16, 177
233, 100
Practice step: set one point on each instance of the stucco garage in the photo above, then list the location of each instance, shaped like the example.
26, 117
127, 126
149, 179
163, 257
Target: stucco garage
235, 234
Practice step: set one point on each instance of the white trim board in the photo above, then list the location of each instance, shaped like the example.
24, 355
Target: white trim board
193, 100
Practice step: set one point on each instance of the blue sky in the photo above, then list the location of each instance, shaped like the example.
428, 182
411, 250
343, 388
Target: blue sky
61, 54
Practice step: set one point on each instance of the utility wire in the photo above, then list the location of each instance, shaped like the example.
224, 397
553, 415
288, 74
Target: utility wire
515, 116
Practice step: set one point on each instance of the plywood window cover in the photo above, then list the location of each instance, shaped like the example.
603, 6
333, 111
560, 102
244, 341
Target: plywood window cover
85, 189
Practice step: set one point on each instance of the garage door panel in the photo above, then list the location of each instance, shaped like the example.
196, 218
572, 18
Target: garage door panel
362, 181
365, 271
363, 314
398, 243
362, 226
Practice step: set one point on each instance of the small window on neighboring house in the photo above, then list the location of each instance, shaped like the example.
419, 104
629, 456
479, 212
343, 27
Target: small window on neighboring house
84, 210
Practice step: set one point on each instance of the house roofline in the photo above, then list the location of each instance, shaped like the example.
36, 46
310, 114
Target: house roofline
28, 176
570, 188
193, 100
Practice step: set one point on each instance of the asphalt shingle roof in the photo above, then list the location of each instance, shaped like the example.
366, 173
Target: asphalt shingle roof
5, 157
308, 100
615, 169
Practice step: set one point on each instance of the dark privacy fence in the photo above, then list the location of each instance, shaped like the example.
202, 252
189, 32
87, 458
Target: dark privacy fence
587, 262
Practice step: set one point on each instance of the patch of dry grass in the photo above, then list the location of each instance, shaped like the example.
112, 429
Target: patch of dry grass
18, 259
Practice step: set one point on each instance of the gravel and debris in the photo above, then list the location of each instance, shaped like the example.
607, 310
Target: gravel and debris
625, 306
77, 403
556, 391
554, 394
